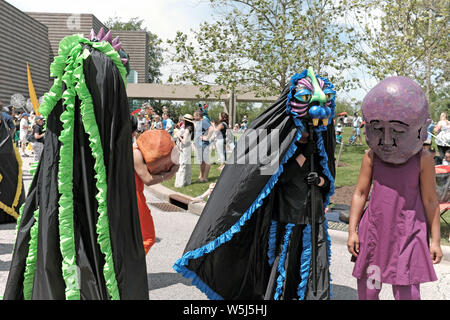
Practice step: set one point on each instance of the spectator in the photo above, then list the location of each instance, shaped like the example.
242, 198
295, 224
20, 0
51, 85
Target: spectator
236, 128
157, 125
221, 142
446, 160
142, 123
339, 129
357, 121
6, 113
184, 143
168, 124
38, 132
24, 127
345, 121
203, 132
442, 129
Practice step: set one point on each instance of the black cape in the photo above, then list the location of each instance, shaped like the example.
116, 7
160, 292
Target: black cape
48, 276
12, 193
226, 254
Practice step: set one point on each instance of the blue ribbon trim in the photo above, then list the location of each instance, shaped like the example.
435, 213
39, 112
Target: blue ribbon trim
180, 264
305, 262
329, 254
280, 268
272, 242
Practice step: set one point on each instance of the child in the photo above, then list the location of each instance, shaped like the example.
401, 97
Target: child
391, 244
446, 160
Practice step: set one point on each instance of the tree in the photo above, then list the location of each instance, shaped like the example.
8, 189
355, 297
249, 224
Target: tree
260, 44
155, 51
404, 38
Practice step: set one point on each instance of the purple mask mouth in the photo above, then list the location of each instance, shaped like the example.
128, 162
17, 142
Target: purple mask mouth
300, 108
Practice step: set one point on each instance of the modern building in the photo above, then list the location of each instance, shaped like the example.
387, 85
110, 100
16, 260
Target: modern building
34, 37
22, 39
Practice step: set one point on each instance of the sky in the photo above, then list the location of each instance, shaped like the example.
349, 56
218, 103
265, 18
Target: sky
162, 17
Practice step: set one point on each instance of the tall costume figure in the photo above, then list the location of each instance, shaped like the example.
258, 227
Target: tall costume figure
256, 237
12, 194
79, 236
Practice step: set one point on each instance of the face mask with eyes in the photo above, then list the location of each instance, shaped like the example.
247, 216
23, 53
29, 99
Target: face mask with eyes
397, 117
312, 98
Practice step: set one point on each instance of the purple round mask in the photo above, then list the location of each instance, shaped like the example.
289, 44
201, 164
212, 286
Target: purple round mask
397, 117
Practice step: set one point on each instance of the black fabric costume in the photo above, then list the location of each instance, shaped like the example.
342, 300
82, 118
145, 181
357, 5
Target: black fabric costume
46, 277
12, 194
238, 241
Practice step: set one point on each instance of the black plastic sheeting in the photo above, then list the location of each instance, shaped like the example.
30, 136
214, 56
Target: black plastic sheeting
9, 171
111, 108
238, 268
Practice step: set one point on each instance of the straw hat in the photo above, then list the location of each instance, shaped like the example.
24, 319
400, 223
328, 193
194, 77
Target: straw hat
188, 117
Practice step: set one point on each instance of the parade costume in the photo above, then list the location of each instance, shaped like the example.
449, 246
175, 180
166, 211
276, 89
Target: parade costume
12, 193
254, 239
79, 236
393, 229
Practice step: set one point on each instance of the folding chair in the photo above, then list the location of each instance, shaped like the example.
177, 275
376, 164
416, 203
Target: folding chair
443, 189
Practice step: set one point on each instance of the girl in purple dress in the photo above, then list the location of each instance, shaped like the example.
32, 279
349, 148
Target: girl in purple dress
391, 244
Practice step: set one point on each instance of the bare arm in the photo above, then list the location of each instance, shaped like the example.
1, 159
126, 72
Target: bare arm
431, 204
150, 179
359, 201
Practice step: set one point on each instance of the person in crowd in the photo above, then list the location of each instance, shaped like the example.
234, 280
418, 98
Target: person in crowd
446, 160
221, 138
144, 177
6, 113
442, 129
357, 121
24, 128
203, 133
184, 139
142, 123
169, 126
38, 132
389, 239
157, 124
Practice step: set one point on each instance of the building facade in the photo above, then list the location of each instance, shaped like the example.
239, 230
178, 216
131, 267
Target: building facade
34, 37
22, 39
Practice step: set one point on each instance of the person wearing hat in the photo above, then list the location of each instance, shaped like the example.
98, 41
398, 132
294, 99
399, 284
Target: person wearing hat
184, 138
38, 132
24, 126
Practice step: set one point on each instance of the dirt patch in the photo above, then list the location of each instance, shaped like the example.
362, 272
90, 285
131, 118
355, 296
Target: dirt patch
343, 195
343, 164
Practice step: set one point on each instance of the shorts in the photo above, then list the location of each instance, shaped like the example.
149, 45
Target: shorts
202, 154
358, 131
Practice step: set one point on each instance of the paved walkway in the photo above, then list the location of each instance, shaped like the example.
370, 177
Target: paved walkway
173, 229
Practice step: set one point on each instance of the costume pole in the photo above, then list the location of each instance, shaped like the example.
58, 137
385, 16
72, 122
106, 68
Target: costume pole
313, 216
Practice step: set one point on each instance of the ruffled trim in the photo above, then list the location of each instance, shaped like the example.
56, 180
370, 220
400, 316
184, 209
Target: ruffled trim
196, 281
90, 126
280, 268
30, 267
180, 264
329, 255
272, 242
58, 65
305, 262
65, 183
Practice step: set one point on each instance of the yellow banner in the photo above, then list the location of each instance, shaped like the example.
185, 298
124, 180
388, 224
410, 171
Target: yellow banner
32, 93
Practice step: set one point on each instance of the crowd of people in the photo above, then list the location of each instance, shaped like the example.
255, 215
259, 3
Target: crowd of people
27, 130
193, 133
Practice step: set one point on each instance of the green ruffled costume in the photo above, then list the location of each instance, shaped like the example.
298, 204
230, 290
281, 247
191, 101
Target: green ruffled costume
78, 234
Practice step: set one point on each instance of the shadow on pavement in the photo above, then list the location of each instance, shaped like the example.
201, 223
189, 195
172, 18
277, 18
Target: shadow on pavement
165, 279
344, 293
8, 226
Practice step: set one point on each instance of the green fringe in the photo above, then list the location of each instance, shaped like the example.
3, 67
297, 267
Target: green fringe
68, 67
30, 267
65, 182
90, 126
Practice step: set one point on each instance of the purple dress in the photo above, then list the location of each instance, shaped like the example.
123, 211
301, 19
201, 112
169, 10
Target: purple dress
393, 230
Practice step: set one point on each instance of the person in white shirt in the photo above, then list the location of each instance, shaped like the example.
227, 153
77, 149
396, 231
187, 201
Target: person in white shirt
357, 120
24, 126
